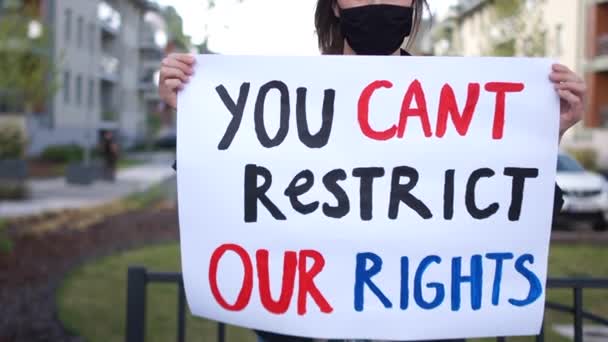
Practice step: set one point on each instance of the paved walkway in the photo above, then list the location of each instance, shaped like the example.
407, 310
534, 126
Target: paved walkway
55, 194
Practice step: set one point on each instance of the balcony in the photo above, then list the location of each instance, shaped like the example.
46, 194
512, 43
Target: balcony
108, 68
148, 81
109, 19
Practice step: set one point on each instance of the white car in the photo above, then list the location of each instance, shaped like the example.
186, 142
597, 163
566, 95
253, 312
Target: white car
585, 193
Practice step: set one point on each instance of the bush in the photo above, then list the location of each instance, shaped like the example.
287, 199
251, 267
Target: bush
13, 191
6, 245
586, 156
63, 153
12, 142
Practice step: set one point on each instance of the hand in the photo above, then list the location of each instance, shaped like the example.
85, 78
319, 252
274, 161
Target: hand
175, 71
572, 91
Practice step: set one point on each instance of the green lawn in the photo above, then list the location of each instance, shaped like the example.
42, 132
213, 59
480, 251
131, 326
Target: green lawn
92, 300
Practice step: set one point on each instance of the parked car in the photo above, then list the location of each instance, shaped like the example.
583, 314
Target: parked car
166, 141
585, 193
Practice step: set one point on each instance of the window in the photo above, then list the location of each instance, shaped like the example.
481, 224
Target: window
66, 87
92, 37
91, 96
558, 40
80, 29
78, 90
68, 24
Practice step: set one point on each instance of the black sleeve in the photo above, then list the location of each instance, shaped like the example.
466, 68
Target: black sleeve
558, 200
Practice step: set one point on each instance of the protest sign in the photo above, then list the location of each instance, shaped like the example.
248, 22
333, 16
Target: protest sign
368, 197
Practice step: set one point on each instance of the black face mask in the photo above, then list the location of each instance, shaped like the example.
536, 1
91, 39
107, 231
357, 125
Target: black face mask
376, 29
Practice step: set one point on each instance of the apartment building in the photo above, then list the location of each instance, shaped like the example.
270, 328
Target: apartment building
107, 54
573, 32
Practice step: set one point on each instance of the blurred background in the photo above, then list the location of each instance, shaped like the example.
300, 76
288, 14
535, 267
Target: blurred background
86, 145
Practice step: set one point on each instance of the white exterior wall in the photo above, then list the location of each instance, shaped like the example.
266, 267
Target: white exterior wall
80, 122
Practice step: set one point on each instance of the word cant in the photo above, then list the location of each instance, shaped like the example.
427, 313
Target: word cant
414, 105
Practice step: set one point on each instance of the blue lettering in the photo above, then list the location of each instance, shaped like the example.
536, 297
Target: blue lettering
405, 290
439, 288
363, 276
535, 286
475, 279
499, 258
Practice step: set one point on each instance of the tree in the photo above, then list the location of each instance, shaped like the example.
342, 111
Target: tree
175, 26
26, 64
516, 27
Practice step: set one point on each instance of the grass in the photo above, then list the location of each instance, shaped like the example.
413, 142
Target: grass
83, 218
92, 299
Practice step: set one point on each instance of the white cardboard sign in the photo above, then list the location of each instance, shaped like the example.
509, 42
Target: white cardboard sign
368, 197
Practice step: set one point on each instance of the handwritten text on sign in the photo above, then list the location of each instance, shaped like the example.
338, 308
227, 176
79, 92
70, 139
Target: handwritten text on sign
358, 197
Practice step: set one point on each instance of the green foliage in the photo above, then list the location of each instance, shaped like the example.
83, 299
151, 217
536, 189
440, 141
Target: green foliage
91, 301
6, 244
13, 191
12, 142
586, 156
28, 75
516, 27
63, 153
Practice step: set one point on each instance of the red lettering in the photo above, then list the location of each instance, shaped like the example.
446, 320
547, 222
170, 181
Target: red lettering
245, 294
307, 283
289, 274
363, 112
448, 105
414, 92
501, 88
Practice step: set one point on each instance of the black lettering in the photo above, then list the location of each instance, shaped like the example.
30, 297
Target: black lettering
260, 128
448, 195
253, 192
517, 190
330, 180
294, 190
366, 191
470, 195
322, 137
401, 193
236, 109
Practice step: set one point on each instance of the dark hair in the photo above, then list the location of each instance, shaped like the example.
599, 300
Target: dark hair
331, 40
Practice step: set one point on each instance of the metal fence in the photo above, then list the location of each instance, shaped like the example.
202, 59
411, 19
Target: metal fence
139, 278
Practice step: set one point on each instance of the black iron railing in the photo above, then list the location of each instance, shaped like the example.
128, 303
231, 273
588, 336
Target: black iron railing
139, 277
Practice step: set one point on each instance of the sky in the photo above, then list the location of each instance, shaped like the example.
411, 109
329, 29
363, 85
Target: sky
258, 27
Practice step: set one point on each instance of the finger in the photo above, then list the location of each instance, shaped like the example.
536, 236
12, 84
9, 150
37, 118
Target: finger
560, 68
174, 84
167, 73
569, 97
577, 88
183, 57
177, 64
171, 100
564, 77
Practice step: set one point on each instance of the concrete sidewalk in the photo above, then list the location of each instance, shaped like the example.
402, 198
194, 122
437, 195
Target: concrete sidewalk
55, 194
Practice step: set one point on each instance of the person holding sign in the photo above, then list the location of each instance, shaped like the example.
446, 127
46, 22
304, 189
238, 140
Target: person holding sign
377, 28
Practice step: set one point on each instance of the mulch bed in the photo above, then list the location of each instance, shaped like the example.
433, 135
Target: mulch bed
30, 274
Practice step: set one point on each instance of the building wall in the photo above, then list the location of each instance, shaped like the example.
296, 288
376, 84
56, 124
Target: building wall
79, 104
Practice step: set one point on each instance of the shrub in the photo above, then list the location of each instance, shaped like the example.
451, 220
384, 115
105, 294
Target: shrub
12, 142
63, 153
586, 156
13, 190
6, 245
